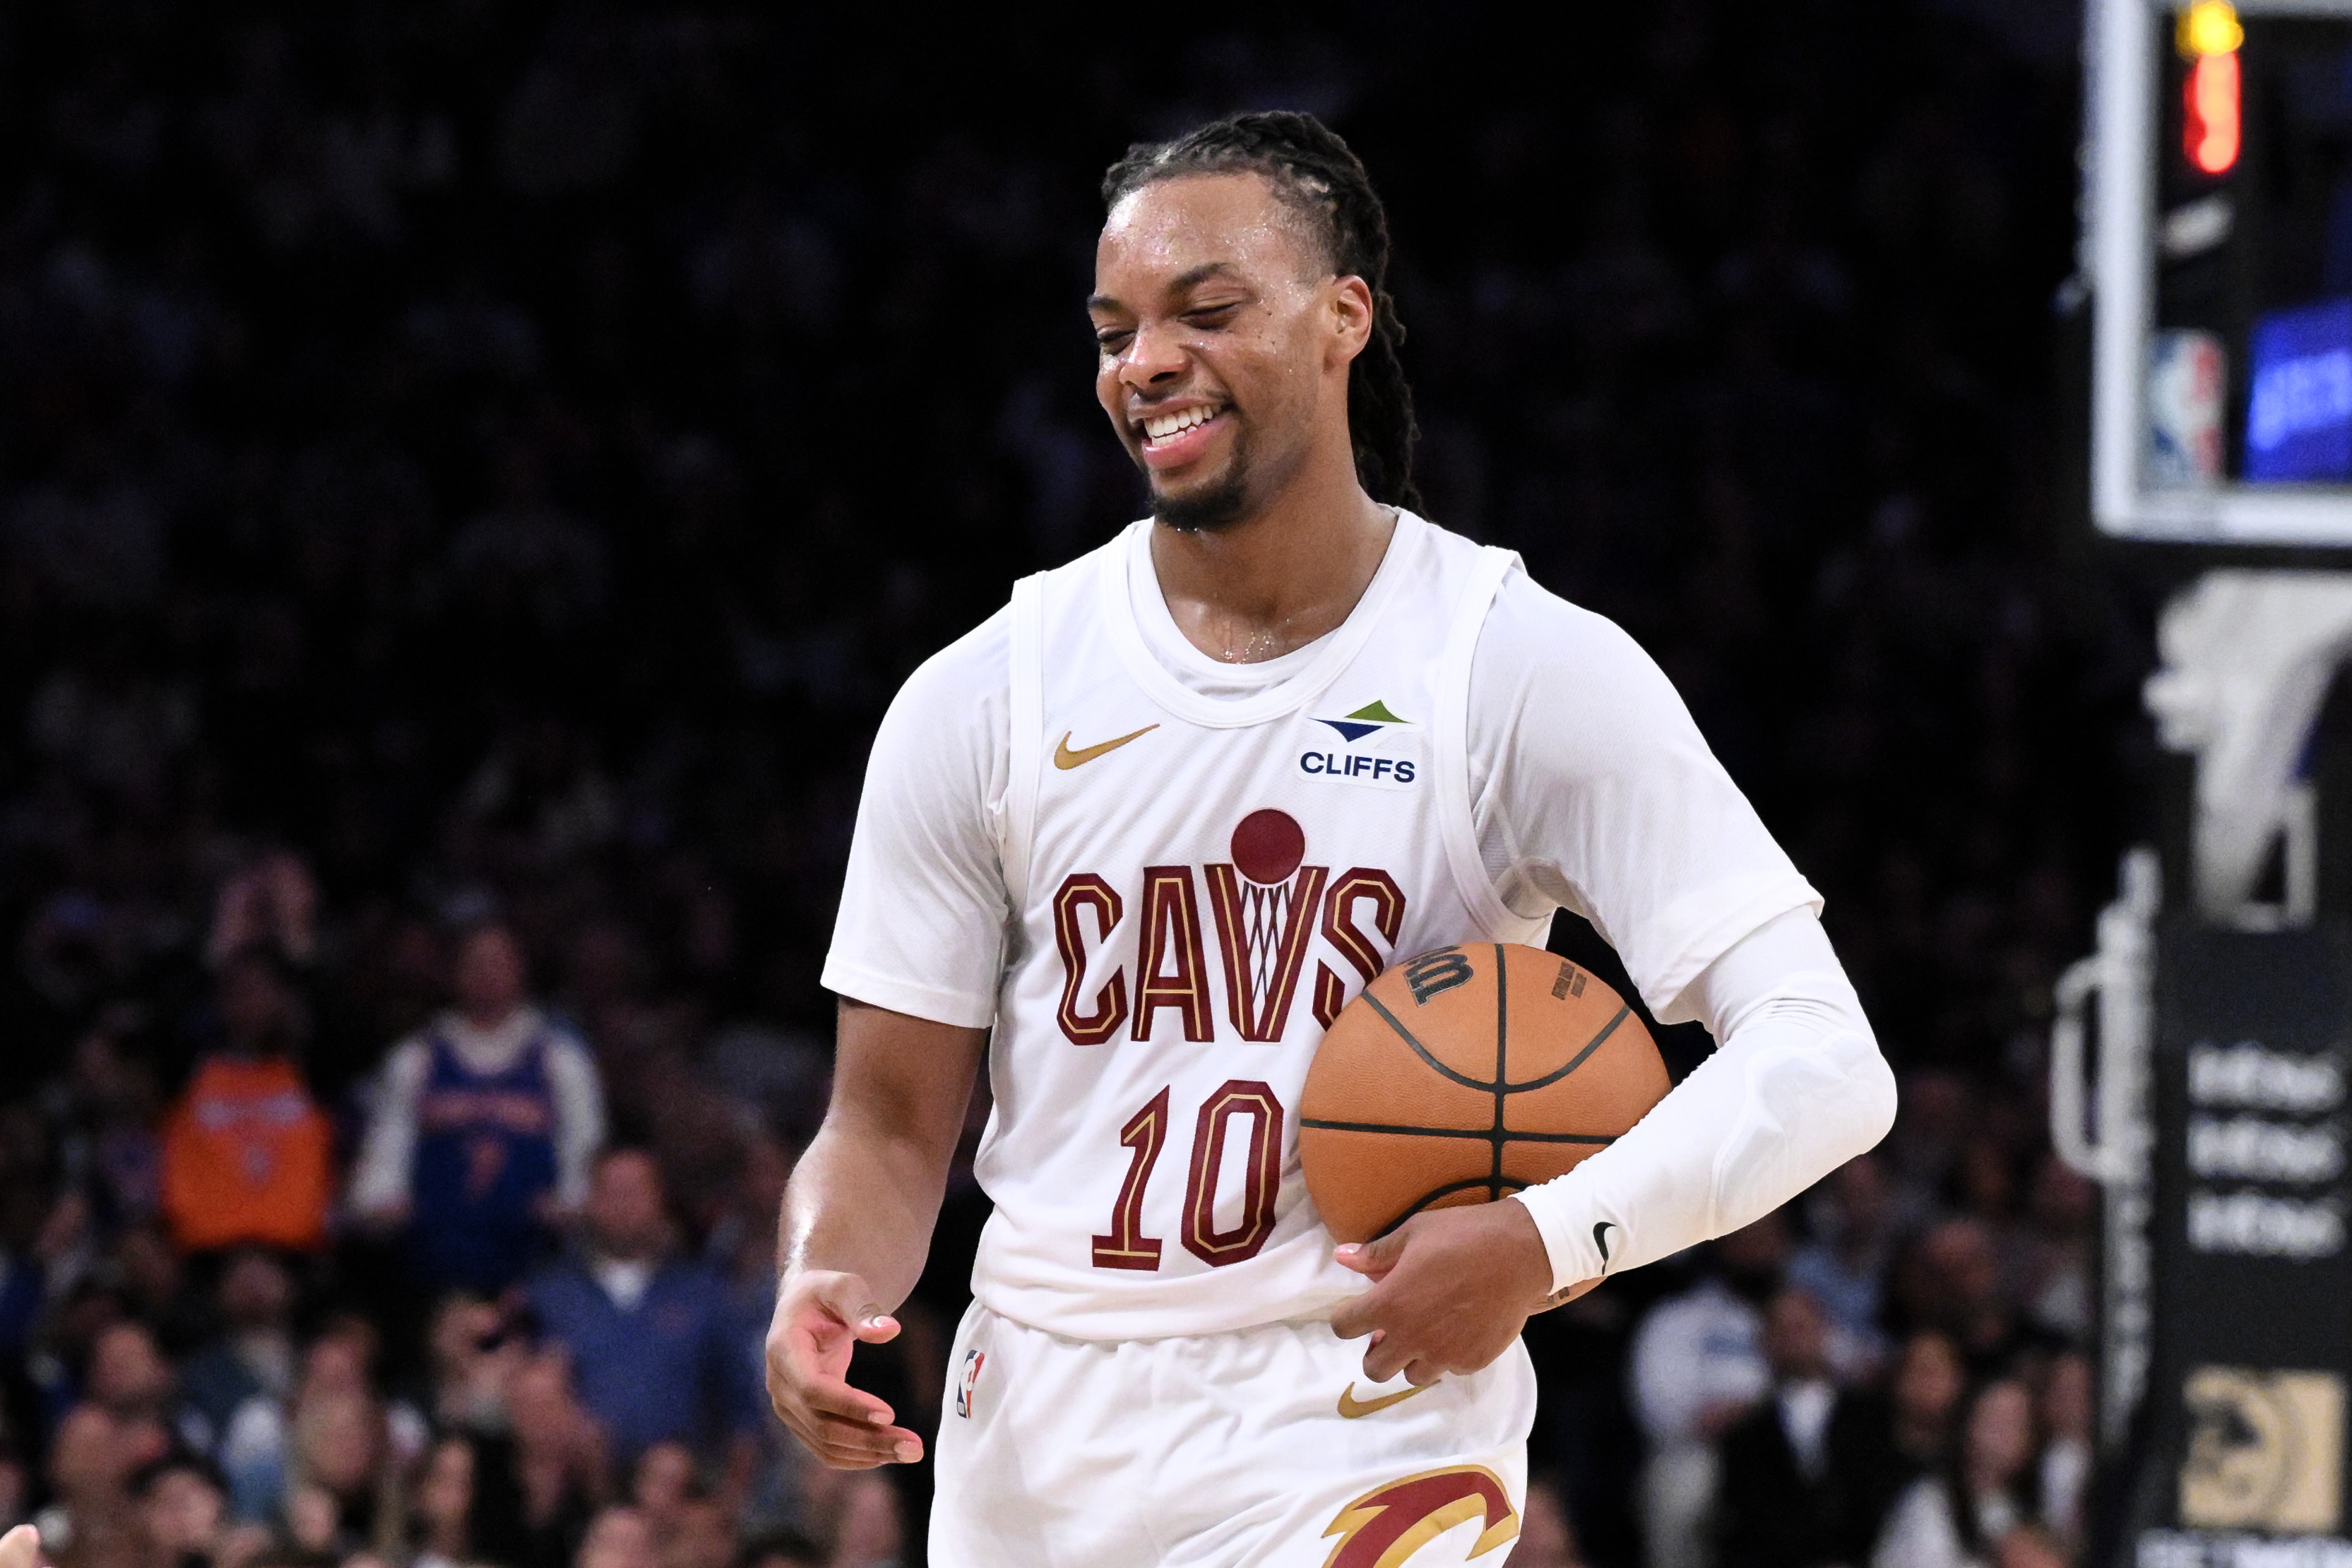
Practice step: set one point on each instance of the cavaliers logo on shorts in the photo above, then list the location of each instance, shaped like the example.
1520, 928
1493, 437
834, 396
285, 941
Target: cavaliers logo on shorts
1390, 1523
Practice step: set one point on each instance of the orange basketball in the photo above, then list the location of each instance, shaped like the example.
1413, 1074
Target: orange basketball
1463, 1075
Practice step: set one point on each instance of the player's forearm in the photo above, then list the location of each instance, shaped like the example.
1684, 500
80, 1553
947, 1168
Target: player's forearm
864, 1204
1797, 1089
1780, 1105
867, 1194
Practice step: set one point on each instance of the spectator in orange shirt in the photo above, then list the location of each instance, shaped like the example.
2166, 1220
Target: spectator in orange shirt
247, 1153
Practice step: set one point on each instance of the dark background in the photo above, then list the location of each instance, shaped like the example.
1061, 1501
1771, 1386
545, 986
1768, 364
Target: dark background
507, 455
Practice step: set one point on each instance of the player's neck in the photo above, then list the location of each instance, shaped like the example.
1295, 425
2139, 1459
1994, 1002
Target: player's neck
1277, 579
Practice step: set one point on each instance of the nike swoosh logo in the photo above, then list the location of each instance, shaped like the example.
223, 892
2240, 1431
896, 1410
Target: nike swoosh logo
1352, 1408
1601, 1239
1066, 758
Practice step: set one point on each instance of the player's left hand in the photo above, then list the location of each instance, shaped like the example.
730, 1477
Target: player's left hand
1450, 1290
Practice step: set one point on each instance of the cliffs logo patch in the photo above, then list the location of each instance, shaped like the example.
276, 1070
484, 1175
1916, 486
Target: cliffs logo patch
1383, 766
1371, 719
973, 1360
1387, 1525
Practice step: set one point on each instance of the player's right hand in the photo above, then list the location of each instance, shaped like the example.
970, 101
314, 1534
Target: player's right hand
821, 1316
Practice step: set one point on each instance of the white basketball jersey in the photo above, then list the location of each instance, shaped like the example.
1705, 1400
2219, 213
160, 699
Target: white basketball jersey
1199, 885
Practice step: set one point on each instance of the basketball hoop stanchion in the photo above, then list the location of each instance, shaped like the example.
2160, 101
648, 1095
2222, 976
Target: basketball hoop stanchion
2210, 1100
2200, 1059
2118, 976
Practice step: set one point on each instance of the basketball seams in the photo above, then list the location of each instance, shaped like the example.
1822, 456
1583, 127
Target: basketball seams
1386, 1098
1607, 1029
1323, 1125
1432, 1196
1502, 1067
1498, 1137
1420, 1050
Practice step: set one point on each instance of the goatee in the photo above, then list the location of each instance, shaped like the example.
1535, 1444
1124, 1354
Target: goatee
1205, 511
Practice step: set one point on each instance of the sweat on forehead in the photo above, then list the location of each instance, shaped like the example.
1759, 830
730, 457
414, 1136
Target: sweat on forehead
1263, 197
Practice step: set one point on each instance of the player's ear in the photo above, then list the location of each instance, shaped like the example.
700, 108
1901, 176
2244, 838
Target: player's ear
1350, 308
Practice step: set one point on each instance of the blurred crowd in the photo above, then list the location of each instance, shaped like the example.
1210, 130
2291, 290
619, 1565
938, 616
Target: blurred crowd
470, 475
1892, 1373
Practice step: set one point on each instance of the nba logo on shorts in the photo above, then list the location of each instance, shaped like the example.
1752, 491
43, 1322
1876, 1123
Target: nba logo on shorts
972, 1362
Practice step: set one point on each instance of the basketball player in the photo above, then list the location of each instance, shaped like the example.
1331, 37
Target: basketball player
1152, 826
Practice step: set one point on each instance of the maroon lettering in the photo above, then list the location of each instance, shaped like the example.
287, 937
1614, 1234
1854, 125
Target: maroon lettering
1340, 929
1108, 1009
1127, 1247
1261, 1181
1169, 957
1251, 945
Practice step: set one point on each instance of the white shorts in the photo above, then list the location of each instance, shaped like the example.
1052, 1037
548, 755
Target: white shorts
1262, 1448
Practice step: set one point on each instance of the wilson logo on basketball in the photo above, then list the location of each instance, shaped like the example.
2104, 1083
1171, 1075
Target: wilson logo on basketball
1267, 906
1463, 1075
1433, 973
1390, 1523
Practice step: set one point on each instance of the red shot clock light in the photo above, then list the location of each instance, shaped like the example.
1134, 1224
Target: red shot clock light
2208, 125
2207, 37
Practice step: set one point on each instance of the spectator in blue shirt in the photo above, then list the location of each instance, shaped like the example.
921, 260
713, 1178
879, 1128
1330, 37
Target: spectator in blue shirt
481, 1129
651, 1338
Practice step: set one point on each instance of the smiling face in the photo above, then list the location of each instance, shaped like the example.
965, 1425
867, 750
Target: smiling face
1223, 343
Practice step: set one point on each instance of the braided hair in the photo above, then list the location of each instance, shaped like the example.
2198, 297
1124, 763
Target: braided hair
1313, 172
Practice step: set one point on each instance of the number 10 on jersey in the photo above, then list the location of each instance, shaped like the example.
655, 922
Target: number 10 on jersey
1146, 1133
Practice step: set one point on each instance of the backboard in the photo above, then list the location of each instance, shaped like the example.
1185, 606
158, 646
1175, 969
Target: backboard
2218, 246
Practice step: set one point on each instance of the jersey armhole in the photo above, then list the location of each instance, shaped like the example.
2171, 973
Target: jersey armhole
1025, 746
1461, 832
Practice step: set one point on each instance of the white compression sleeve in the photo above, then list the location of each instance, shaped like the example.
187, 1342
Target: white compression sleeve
1795, 1089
